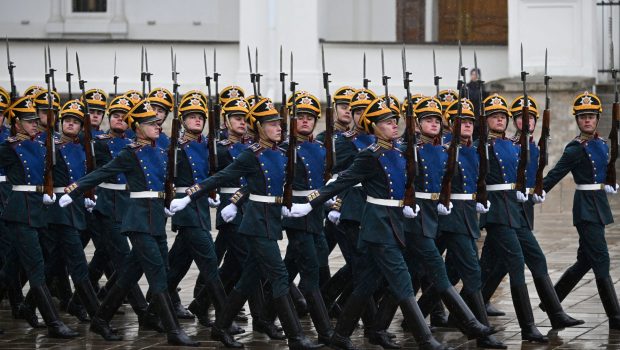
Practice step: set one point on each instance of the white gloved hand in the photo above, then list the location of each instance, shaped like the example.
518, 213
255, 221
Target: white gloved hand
168, 213
539, 199
521, 197
89, 203
214, 203
481, 209
285, 212
611, 189
65, 200
229, 212
47, 200
442, 210
330, 202
334, 217
300, 210
179, 204
409, 213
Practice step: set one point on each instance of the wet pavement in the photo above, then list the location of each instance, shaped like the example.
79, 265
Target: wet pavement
554, 231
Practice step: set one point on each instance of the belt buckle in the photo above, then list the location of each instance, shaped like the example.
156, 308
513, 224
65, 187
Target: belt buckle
473, 196
401, 203
40, 188
434, 196
161, 195
513, 186
278, 199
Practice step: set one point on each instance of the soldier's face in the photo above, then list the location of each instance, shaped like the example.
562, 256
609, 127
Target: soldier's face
194, 123
42, 117
161, 113
28, 127
237, 124
148, 131
343, 113
467, 128
272, 130
117, 124
96, 116
387, 129
497, 122
430, 126
71, 126
357, 115
305, 123
587, 123
532, 123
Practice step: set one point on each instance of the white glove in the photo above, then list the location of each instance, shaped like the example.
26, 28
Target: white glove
299, 210
481, 209
89, 203
409, 213
442, 210
334, 217
47, 200
285, 212
214, 203
611, 190
179, 204
229, 212
330, 202
65, 200
168, 213
521, 197
539, 199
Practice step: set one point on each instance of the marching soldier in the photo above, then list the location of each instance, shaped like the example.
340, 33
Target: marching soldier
97, 103
263, 167
586, 158
381, 170
447, 97
161, 100
143, 164
26, 216
40, 102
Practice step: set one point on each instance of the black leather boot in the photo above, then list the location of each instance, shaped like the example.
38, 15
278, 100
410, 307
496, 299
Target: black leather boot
488, 288
467, 322
181, 312
224, 319
148, 320
319, 316
417, 325
608, 296
523, 308
493, 311
324, 275
55, 327
335, 285
174, 333
349, 317
476, 304
88, 297
301, 306
559, 319
385, 313
291, 325
566, 283
76, 309
261, 323
25, 308
200, 307
100, 323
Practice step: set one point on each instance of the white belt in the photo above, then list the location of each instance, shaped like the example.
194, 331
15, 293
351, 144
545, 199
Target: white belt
463, 196
265, 199
302, 193
590, 187
27, 188
2, 178
146, 194
358, 185
116, 187
229, 190
181, 189
500, 187
384, 202
59, 190
334, 178
427, 195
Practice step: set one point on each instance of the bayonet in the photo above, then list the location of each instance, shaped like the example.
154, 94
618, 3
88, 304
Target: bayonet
365, 80
146, 65
115, 81
436, 77
68, 74
52, 70
253, 77
207, 77
258, 75
385, 79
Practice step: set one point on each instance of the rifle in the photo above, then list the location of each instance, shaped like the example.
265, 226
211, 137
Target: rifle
453, 149
87, 139
68, 75
253, 78
436, 77
213, 126
483, 145
291, 152
283, 107
613, 134
143, 74
258, 75
365, 81
115, 81
543, 159
411, 152
11, 66
330, 151
524, 139
50, 144
52, 70
171, 165
217, 107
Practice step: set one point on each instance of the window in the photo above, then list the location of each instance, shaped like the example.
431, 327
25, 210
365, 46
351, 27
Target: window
90, 6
